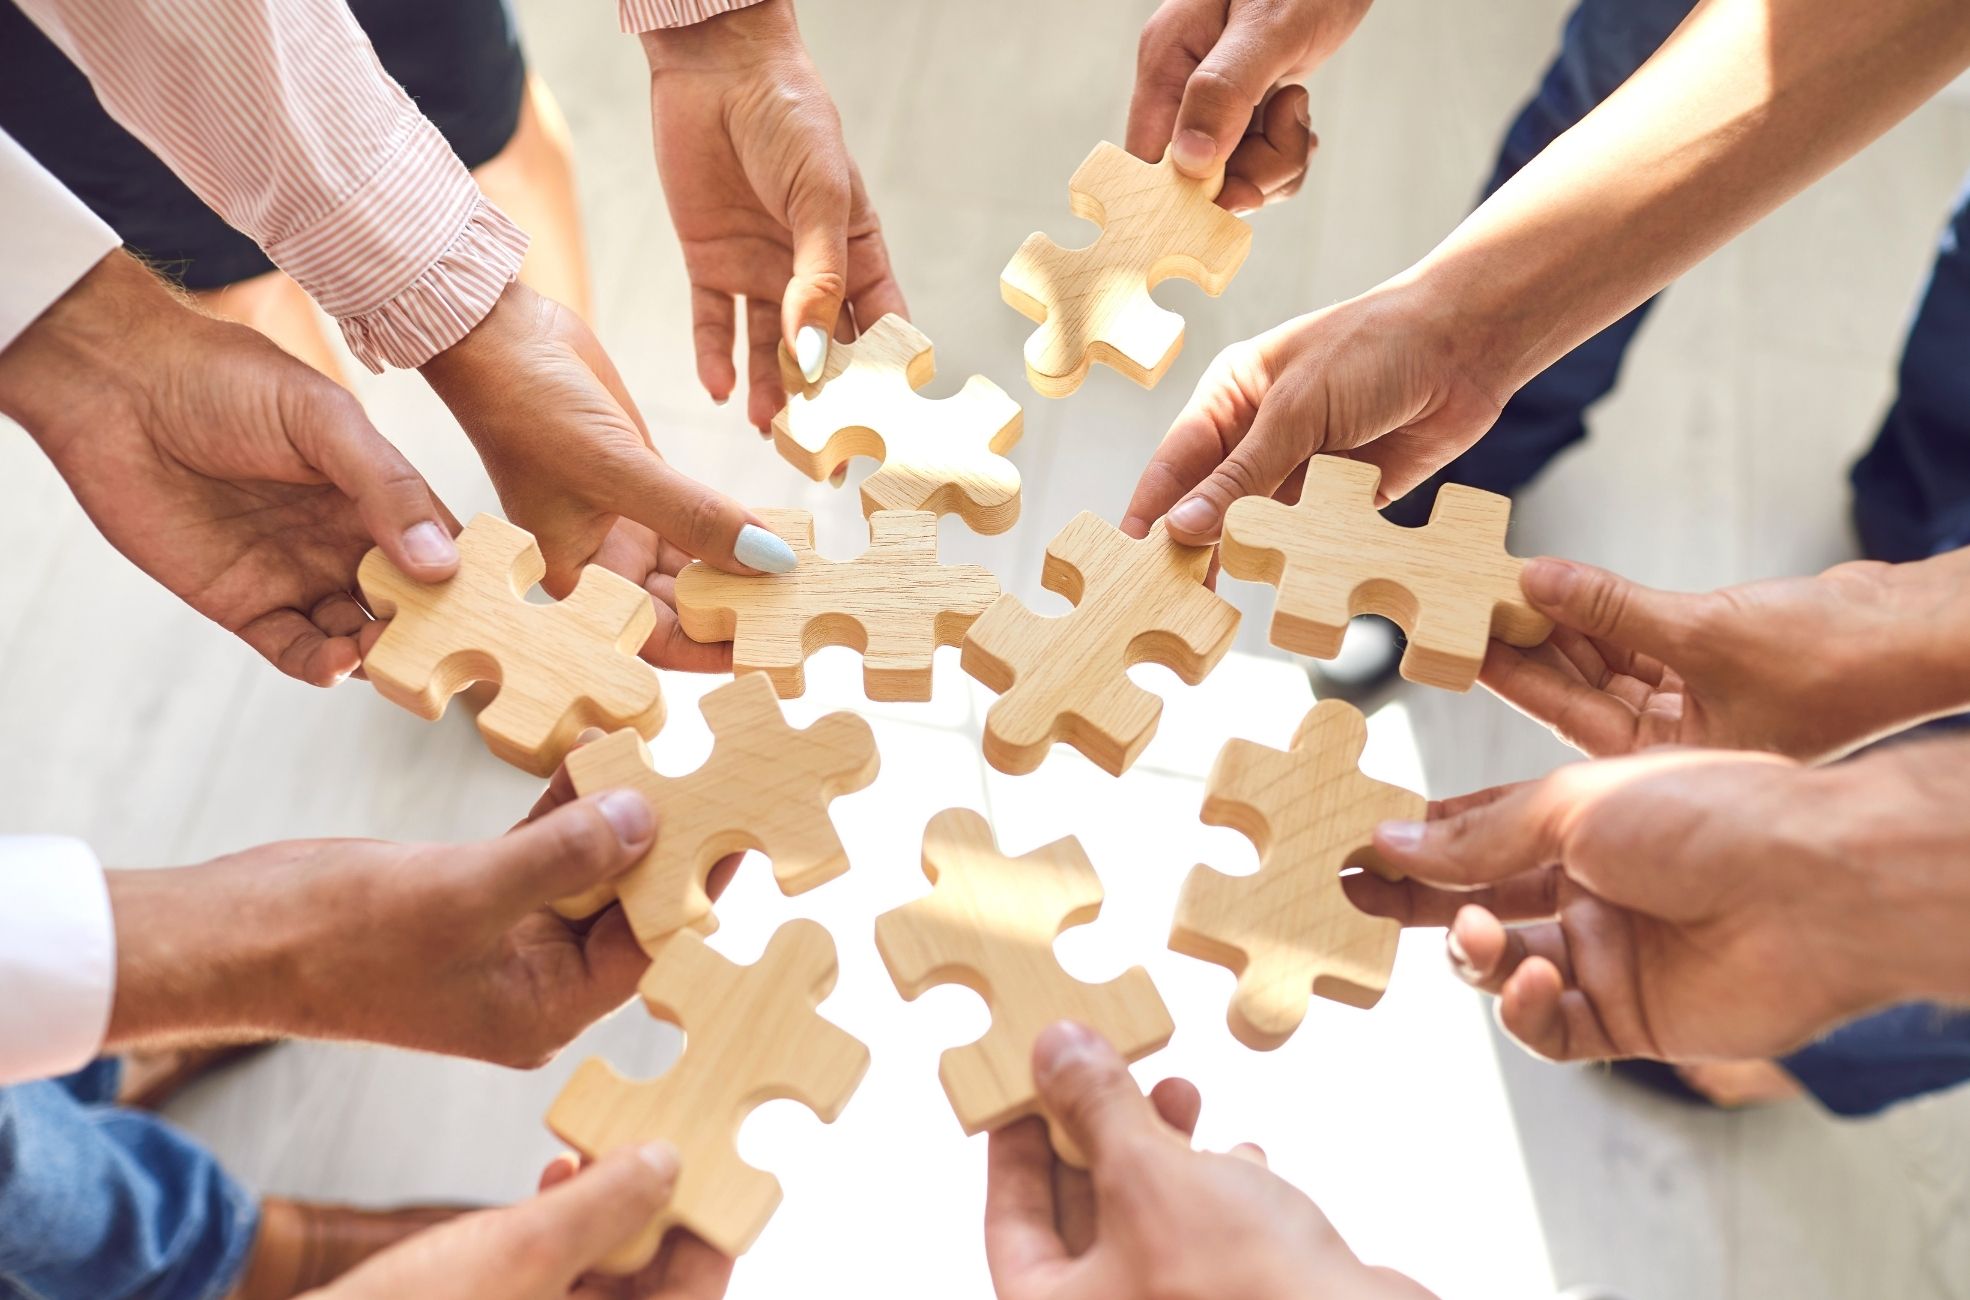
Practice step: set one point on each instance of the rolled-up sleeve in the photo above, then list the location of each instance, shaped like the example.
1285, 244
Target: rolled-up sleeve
57, 957
48, 240
278, 115
653, 15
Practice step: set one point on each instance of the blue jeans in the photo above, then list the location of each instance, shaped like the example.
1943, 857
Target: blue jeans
1911, 489
102, 1203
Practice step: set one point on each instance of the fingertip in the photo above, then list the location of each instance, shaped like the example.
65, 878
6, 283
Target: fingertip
1135, 526
1063, 1046
1195, 154
1194, 519
429, 551
1548, 582
763, 550
629, 816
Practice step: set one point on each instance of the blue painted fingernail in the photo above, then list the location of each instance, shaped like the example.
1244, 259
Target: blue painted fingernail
764, 551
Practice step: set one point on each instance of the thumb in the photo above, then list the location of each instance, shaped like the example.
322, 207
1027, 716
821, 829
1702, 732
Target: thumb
1086, 1086
1274, 447
817, 212
1608, 607
697, 519
1226, 87
402, 515
574, 848
584, 1219
1487, 842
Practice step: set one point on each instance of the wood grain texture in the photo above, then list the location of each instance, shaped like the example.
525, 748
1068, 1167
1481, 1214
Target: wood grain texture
1289, 929
1450, 585
1093, 303
1065, 679
894, 603
943, 455
989, 924
752, 1036
766, 787
560, 668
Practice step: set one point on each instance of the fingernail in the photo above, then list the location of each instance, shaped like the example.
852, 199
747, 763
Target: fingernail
839, 477
1403, 837
1303, 110
1460, 961
660, 1156
627, 814
767, 552
589, 735
1194, 515
720, 401
426, 543
810, 351
1062, 1044
1194, 151
1547, 581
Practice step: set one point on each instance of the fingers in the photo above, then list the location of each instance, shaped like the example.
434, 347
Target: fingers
1274, 447
568, 851
817, 212
1482, 845
1179, 1104
580, 1220
1549, 1019
1231, 81
698, 519
872, 288
1215, 419
765, 394
1271, 161
667, 646
400, 512
1587, 718
1084, 1083
714, 324
1411, 903
692, 1270
1485, 954
1608, 607
1020, 1236
1164, 60
301, 650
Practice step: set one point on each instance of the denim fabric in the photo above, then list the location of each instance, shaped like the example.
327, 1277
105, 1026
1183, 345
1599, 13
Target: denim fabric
1891, 1056
103, 1203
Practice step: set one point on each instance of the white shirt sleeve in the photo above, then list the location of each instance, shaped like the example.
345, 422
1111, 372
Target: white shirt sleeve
57, 957
48, 241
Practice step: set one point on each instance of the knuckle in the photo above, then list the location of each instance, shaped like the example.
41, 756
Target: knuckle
703, 523
1213, 90
1605, 609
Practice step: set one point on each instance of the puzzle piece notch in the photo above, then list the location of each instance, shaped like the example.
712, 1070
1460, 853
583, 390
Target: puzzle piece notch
1093, 303
1066, 678
944, 455
560, 668
1450, 585
894, 603
766, 787
752, 1035
1289, 930
989, 924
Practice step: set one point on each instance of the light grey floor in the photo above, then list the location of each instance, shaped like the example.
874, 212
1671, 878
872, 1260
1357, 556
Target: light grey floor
1437, 1146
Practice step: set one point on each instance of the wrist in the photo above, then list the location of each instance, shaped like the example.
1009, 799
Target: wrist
1931, 602
737, 38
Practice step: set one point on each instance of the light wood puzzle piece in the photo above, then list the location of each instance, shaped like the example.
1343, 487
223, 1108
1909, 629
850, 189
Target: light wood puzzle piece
1066, 678
752, 1035
766, 787
560, 668
989, 924
894, 603
1289, 930
1093, 303
1450, 584
943, 455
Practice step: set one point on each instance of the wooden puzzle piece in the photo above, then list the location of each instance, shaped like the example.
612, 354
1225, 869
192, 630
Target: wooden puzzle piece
1289, 929
895, 603
989, 923
1093, 303
943, 455
1066, 678
1450, 584
765, 787
752, 1035
560, 668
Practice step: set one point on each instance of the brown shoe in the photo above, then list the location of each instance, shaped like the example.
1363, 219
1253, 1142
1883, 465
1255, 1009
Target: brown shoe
302, 1246
151, 1078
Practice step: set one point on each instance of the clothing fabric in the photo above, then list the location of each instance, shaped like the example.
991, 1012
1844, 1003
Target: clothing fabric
649, 15
1890, 1057
51, 241
278, 115
57, 955
102, 1203
458, 60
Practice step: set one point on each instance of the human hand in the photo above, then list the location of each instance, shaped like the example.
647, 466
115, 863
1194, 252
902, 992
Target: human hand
1806, 667
436, 947
1151, 1217
1679, 904
569, 453
1379, 378
543, 1249
767, 203
247, 484
1207, 89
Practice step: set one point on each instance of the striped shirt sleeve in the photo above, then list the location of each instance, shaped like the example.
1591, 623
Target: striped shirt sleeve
651, 15
278, 115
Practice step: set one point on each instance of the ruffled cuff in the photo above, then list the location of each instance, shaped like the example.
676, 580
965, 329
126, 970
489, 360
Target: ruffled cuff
652, 15
444, 304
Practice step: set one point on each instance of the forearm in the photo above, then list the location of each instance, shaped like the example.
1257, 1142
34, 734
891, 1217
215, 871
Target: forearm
1924, 672
1747, 103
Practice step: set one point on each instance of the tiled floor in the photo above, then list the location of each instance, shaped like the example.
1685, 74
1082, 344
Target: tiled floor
1436, 1146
